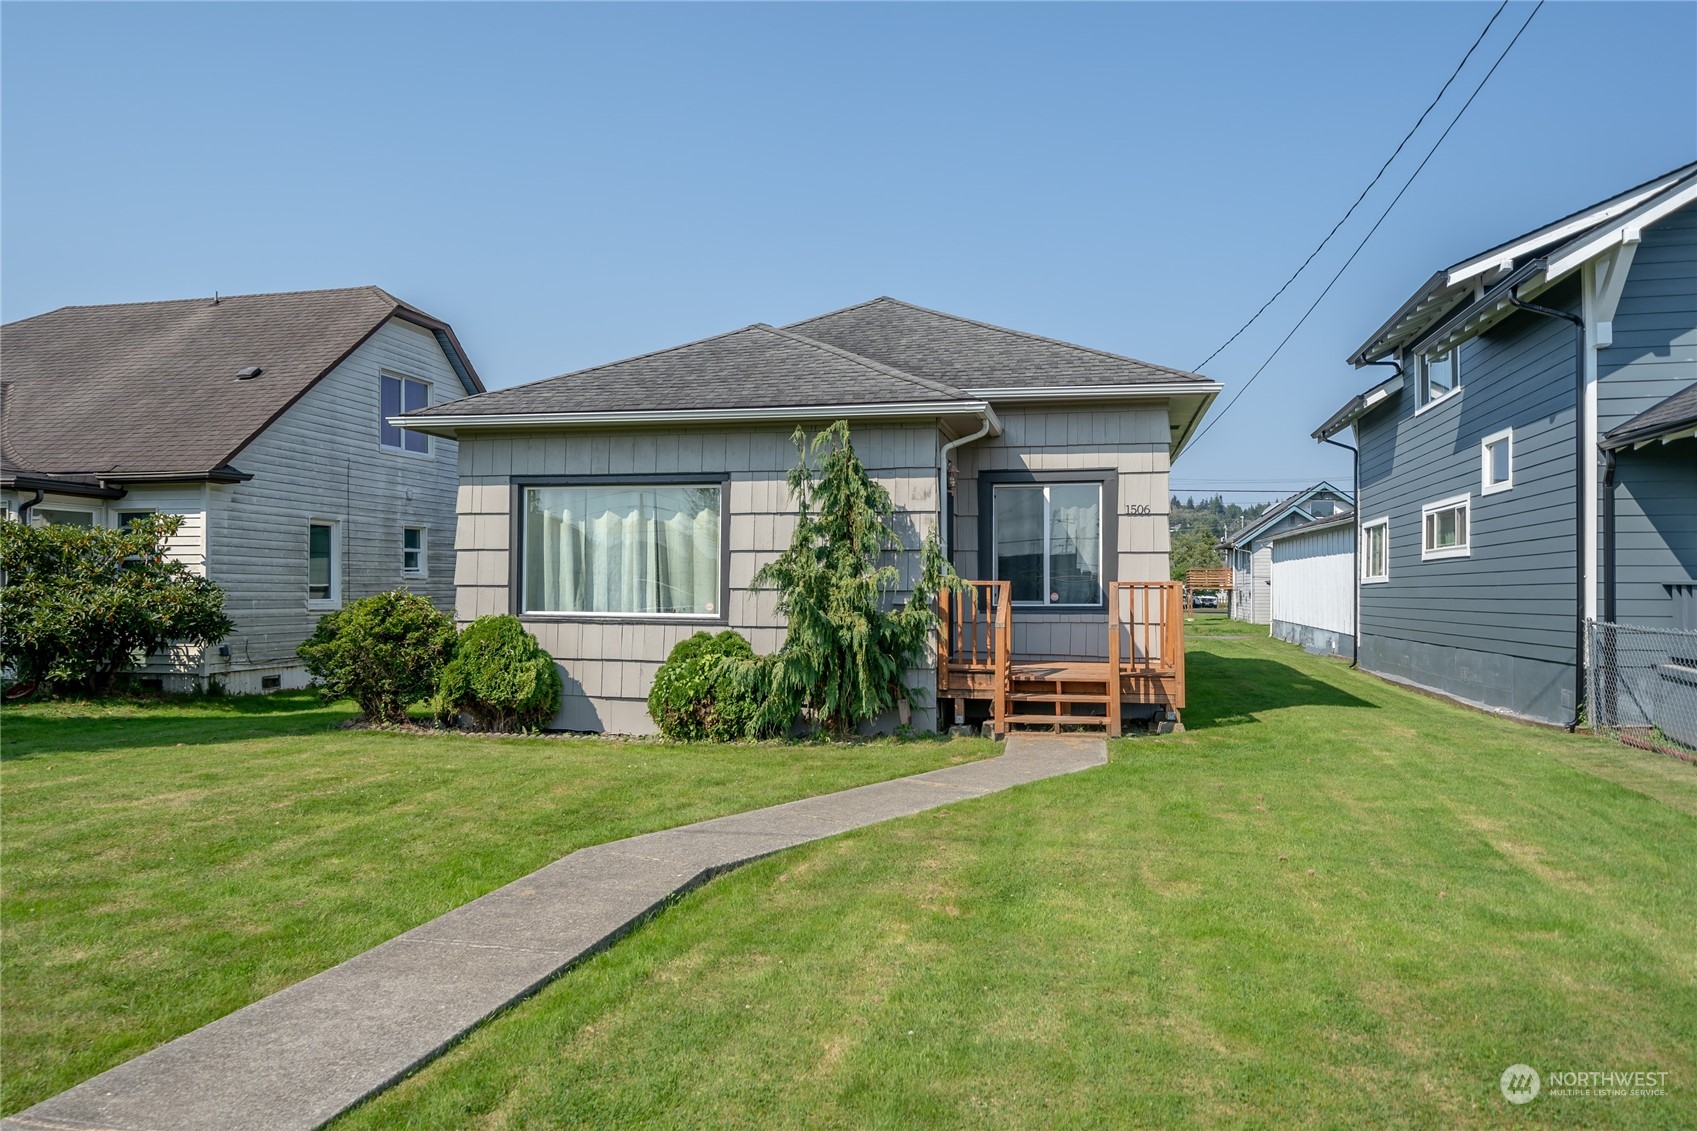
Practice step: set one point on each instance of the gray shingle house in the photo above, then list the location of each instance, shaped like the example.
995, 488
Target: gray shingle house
1248, 550
262, 420
619, 509
1529, 462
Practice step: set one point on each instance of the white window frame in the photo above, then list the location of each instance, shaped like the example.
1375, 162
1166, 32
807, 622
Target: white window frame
1464, 503
1425, 398
401, 448
422, 570
1101, 535
1382, 523
334, 600
1486, 486
38, 515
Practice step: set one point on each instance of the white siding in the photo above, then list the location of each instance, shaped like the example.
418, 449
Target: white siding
1312, 580
608, 664
322, 460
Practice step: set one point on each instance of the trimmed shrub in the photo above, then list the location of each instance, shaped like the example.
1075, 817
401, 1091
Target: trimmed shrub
383, 652
82, 602
500, 676
710, 687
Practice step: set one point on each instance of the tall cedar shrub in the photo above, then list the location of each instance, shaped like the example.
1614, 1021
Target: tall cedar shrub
383, 652
846, 649
708, 688
81, 602
500, 676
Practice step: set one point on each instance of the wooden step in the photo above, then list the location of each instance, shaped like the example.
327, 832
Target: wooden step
1055, 720
1046, 697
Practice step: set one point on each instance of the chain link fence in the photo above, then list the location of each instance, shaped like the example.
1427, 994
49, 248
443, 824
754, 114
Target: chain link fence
1643, 686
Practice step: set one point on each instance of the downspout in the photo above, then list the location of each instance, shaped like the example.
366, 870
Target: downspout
1355, 498
23, 508
1611, 692
943, 453
1580, 455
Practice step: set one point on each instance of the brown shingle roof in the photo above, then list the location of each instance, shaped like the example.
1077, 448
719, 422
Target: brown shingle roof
149, 389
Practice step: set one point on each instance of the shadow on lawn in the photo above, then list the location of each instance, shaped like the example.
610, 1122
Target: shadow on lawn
125, 723
1232, 690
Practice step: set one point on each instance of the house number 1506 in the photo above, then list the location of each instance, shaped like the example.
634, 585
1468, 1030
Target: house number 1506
1137, 508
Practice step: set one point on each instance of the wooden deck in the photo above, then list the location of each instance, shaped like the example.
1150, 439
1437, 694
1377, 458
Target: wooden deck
1143, 640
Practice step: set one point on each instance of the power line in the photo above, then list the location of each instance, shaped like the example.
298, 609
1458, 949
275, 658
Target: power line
1197, 368
1429, 153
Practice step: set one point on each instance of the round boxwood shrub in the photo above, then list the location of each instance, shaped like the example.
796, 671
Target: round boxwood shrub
383, 652
708, 688
500, 676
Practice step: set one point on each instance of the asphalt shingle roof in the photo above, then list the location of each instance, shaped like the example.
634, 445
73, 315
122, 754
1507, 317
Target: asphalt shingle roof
150, 388
752, 368
1677, 412
975, 355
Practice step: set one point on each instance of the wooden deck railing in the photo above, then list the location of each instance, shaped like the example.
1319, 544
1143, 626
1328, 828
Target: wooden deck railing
1145, 649
976, 636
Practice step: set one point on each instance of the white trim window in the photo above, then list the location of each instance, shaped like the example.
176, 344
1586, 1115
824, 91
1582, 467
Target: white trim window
1444, 528
323, 557
62, 516
415, 545
1440, 376
643, 550
1496, 462
1376, 551
399, 395
1048, 542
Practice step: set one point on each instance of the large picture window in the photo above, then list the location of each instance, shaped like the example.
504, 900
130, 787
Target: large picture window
402, 394
1048, 541
622, 549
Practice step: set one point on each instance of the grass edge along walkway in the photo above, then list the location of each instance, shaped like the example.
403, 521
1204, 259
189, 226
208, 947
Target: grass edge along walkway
297, 1059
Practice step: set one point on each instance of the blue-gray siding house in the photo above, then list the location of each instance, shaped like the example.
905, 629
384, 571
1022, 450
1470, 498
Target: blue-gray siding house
1529, 462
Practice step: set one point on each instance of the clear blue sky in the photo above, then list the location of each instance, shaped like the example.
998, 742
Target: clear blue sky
570, 184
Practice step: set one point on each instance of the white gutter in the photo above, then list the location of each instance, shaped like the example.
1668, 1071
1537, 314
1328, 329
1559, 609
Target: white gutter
688, 416
1087, 392
991, 423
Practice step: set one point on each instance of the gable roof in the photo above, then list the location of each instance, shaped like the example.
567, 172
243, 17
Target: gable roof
983, 359
1562, 245
148, 390
1285, 507
743, 372
1668, 420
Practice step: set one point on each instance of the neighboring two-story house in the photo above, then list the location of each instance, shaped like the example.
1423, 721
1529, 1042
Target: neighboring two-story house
1248, 550
1528, 463
262, 420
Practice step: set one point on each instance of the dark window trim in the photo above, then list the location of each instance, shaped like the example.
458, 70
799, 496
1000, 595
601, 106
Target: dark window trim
515, 571
1109, 478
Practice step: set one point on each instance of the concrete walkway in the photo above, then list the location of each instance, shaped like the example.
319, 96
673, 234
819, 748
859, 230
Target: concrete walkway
297, 1059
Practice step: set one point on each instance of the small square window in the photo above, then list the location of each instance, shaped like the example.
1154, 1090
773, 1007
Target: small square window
412, 551
1444, 529
1496, 462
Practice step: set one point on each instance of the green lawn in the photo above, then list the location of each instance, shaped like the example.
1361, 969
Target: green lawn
1329, 903
165, 863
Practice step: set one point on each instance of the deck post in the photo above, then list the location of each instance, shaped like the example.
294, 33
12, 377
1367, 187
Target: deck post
1172, 642
1003, 645
945, 625
1113, 687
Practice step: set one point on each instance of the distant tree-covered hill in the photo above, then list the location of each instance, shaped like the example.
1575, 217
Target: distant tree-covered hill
1197, 526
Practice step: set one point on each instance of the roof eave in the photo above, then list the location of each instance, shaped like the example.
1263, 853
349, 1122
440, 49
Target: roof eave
443, 424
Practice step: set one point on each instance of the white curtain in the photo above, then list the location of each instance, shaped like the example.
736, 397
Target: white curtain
622, 549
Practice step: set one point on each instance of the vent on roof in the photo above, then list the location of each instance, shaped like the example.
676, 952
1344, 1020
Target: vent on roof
249, 373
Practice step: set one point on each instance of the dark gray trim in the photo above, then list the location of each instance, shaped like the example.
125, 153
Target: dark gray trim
1107, 477
515, 555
